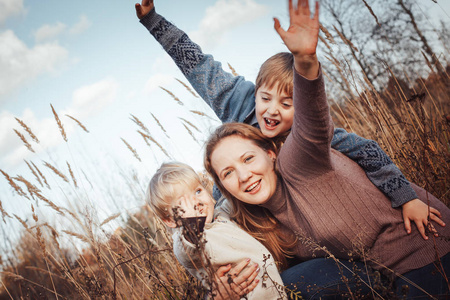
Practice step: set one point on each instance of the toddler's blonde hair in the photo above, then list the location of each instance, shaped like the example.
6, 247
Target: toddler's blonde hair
162, 187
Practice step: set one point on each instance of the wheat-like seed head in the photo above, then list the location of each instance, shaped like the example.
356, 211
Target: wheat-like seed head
190, 132
31, 187
132, 150
78, 236
4, 213
34, 173
24, 140
190, 124
173, 96
345, 40
110, 218
79, 123
188, 88
28, 130
139, 123
233, 71
42, 175
159, 124
60, 125
56, 171
327, 34
11, 182
71, 175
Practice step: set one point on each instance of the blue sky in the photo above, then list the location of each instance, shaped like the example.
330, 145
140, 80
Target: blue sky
94, 61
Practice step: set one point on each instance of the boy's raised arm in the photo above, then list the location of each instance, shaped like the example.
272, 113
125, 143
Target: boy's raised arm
231, 97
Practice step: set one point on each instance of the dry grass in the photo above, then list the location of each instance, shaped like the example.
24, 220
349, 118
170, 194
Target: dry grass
410, 120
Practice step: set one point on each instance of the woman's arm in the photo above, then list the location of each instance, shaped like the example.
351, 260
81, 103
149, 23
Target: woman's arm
309, 142
231, 97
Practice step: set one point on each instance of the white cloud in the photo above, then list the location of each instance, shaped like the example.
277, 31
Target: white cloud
92, 99
87, 101
49, 32
156, 81
223, 16
83, 24
10, 8
18, 63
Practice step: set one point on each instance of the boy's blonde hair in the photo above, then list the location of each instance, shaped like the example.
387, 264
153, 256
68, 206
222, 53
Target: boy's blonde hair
278, 69
163, 186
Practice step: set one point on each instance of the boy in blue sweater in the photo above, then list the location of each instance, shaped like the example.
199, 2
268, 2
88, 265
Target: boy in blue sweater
268, 106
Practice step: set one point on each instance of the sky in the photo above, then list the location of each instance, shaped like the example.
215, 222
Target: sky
95, 62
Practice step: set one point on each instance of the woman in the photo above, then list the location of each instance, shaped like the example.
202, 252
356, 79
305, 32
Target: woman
320, 194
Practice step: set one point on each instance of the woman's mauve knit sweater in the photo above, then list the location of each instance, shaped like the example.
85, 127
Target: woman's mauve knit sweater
327, 199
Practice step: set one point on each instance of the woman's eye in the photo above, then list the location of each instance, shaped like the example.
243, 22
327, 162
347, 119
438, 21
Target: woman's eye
226, 174
286, 105
248, 158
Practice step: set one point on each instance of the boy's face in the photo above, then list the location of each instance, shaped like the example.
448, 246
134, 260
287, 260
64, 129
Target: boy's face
274, 111
193, 201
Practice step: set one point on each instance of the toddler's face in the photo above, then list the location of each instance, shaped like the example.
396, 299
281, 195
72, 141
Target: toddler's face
274, 111
194, 201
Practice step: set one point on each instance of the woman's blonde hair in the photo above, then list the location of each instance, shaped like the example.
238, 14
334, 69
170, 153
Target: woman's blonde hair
255, 220
163, 186
277, 70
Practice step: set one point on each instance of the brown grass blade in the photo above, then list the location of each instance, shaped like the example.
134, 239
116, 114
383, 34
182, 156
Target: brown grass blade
60, 125
28, 130
24, 140
200, 113
328, 35
79, 123
345, 40
149, 137
371, 12
31, 187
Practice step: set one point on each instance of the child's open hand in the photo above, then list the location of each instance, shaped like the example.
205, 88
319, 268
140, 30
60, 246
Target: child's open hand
144, 8
301, 37
190, 207
417, 211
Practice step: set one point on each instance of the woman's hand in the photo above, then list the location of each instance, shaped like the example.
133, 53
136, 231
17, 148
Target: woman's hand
144, 8
417, 211
233, 283
302, 37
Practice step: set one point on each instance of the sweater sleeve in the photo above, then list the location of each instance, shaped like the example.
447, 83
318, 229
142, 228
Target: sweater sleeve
380, 169
306, 152
231, 97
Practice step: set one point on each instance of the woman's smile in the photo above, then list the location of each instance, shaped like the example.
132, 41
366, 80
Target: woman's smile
245, 170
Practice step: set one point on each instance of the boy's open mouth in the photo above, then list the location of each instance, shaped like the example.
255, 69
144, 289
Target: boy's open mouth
270, 123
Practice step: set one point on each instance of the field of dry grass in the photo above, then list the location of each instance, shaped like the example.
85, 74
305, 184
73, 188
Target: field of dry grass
410, 120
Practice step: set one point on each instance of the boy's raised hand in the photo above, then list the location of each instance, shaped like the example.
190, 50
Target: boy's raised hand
301, 37
144, 8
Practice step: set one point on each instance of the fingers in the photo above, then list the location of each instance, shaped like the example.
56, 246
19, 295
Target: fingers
316, 11
138, 8
407, 225
221, 271
436, 212
436, 217
278, 28
236, 270
421, 229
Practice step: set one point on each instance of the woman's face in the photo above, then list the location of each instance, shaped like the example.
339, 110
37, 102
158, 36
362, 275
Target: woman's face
245, 170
